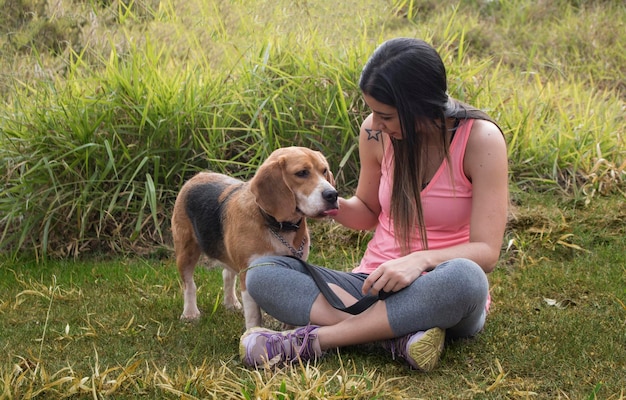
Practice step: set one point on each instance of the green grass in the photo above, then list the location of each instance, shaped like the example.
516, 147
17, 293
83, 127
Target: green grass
556, 329
109, 106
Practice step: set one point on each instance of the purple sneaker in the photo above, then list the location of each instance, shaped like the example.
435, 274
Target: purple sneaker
261, 347
421, 349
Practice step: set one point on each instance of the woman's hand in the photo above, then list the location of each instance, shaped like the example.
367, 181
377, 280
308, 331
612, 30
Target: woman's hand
395, 275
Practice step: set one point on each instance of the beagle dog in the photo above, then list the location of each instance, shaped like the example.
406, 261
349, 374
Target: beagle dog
233, 222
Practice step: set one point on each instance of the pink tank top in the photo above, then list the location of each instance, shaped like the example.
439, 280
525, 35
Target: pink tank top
446, 202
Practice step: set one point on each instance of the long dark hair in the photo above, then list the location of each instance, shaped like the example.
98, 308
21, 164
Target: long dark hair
408, 74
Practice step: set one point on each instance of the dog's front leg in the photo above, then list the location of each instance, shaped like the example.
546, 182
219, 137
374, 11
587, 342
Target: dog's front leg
230, 293
251, 311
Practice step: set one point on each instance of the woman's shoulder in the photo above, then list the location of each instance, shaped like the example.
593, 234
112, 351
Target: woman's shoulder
485, 146
485, 132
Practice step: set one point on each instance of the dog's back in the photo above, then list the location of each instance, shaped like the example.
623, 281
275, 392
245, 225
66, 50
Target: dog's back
205, 205
198, 218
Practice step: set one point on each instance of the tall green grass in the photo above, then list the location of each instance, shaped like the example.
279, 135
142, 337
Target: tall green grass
103, 154
94, 152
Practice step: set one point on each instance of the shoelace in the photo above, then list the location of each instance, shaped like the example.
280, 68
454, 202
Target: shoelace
291, 346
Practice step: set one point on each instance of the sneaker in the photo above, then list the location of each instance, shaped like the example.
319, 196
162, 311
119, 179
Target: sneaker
261, 347
421, 350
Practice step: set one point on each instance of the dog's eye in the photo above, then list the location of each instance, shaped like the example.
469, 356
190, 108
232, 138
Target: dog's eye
303, 174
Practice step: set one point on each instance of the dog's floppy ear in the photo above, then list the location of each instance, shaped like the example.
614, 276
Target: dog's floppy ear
271, 191
329, 177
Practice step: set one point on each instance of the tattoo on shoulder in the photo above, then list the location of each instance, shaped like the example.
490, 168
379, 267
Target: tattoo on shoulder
373, 135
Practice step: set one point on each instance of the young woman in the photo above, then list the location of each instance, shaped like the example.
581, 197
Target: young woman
433, 184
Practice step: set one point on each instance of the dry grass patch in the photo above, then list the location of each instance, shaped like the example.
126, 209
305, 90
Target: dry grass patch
27, 379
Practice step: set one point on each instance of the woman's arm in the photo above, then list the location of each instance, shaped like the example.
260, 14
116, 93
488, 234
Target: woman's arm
361, 211
486, 165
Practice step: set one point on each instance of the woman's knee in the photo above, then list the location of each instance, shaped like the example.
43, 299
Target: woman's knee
469, 273
460, 281
254, 282
263, 272
259, 275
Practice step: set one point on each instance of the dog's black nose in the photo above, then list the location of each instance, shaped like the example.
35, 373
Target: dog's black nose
330, 195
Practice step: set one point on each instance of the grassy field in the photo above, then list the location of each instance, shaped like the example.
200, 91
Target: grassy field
110, 105
109, 328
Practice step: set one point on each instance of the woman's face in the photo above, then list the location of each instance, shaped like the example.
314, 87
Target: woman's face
384, 117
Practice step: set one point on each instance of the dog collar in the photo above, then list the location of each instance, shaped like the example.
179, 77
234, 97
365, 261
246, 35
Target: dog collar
286, 226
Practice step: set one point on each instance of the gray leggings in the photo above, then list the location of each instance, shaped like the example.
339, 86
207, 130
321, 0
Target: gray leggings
452, 296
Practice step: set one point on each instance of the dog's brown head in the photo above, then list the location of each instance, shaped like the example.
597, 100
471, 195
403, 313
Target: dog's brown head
295, 181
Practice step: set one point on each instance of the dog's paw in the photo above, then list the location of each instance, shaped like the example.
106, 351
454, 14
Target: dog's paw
233, 305
190, 316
